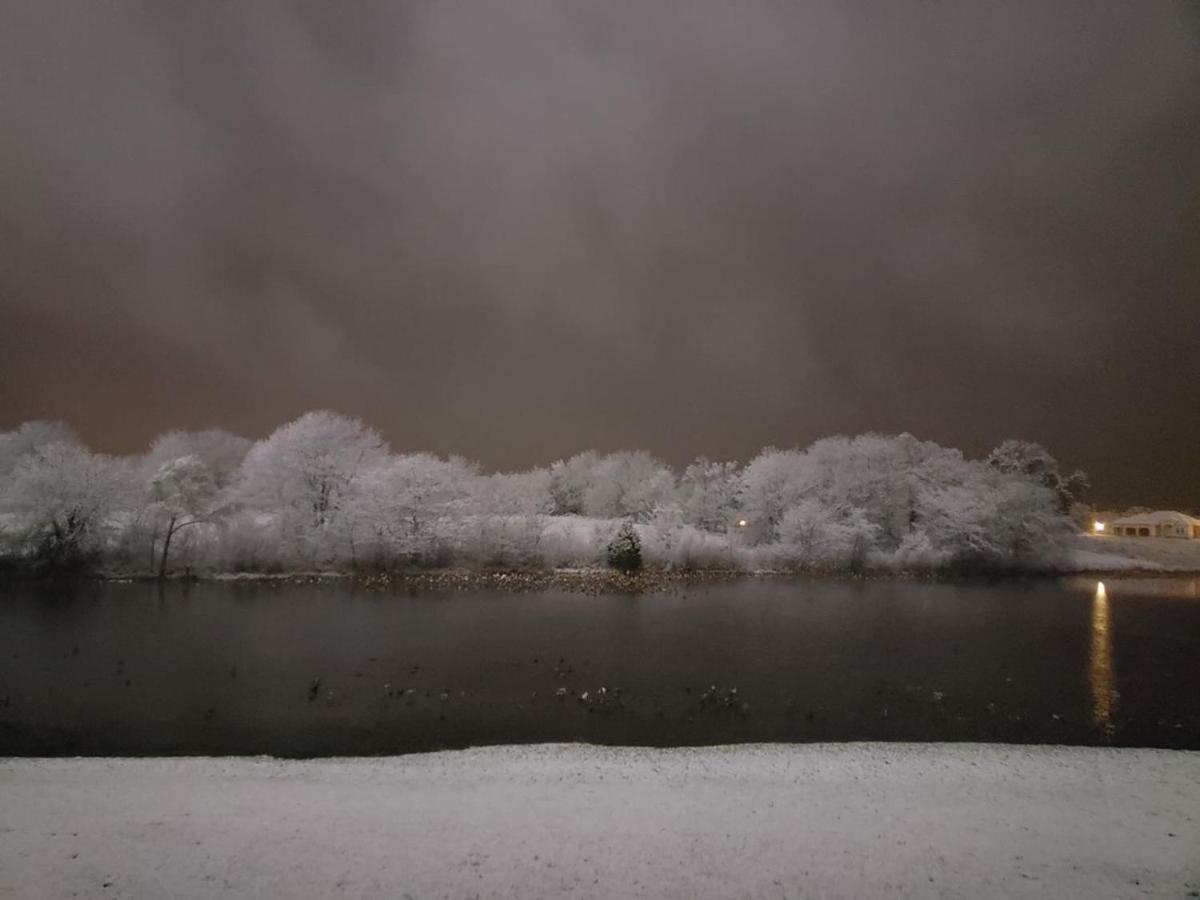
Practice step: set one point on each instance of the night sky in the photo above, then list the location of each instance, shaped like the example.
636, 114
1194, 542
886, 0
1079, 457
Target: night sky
517, 230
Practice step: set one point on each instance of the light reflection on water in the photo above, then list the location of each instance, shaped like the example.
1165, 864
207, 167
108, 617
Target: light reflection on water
1100, 664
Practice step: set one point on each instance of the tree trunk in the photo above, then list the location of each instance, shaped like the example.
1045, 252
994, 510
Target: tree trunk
162, 563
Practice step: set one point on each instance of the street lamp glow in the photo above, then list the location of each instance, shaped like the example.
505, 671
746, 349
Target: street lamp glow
1098, 527
741, 523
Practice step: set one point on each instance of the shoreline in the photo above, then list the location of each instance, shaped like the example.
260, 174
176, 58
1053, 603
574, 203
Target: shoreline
588, 580
648, 580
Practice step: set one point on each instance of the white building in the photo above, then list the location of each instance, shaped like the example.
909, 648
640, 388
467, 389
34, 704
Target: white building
1162, 524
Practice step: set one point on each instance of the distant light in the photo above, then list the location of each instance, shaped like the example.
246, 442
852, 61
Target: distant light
741, 523
1098, 527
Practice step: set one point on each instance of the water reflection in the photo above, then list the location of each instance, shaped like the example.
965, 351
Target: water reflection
227, 668
1100, 665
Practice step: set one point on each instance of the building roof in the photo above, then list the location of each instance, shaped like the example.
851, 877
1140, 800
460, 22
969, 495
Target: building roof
1162, 517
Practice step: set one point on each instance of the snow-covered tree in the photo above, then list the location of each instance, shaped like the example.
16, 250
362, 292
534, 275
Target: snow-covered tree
406, 502
772, 483
897, 496
884, 476
220, 451
625, 549
307, 474
1035, 462
709, 494
664, 533
29, 437
64, 497
325, 489
570, 481
994, 519
816, 534
184, 492
628, 484
509, 511
515, 493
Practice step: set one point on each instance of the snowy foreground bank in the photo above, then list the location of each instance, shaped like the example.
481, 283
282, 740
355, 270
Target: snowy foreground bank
850, 820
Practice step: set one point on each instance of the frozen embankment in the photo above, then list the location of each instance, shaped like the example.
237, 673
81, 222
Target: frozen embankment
849, 820
1104, 553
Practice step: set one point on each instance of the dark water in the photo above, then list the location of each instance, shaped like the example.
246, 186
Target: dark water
216, 669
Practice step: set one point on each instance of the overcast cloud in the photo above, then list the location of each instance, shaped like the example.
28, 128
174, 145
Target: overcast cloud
515, 230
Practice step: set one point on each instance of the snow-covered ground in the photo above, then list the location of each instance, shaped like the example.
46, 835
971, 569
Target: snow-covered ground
1094, 553
849, 820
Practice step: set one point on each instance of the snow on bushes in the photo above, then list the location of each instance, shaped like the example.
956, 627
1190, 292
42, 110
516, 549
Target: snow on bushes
625, 549
325, 491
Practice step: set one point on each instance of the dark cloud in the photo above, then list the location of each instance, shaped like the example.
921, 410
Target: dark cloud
516, 230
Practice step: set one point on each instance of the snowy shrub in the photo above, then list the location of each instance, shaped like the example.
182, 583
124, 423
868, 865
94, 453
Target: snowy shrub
504, 540
698, 549
661, 535
813, 534
574, 541
625, 550
249, 542
916, 553
669, 542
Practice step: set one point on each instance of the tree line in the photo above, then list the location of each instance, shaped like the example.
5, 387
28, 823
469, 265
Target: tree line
327, 492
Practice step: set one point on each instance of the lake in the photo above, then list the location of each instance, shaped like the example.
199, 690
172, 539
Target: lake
332, 669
